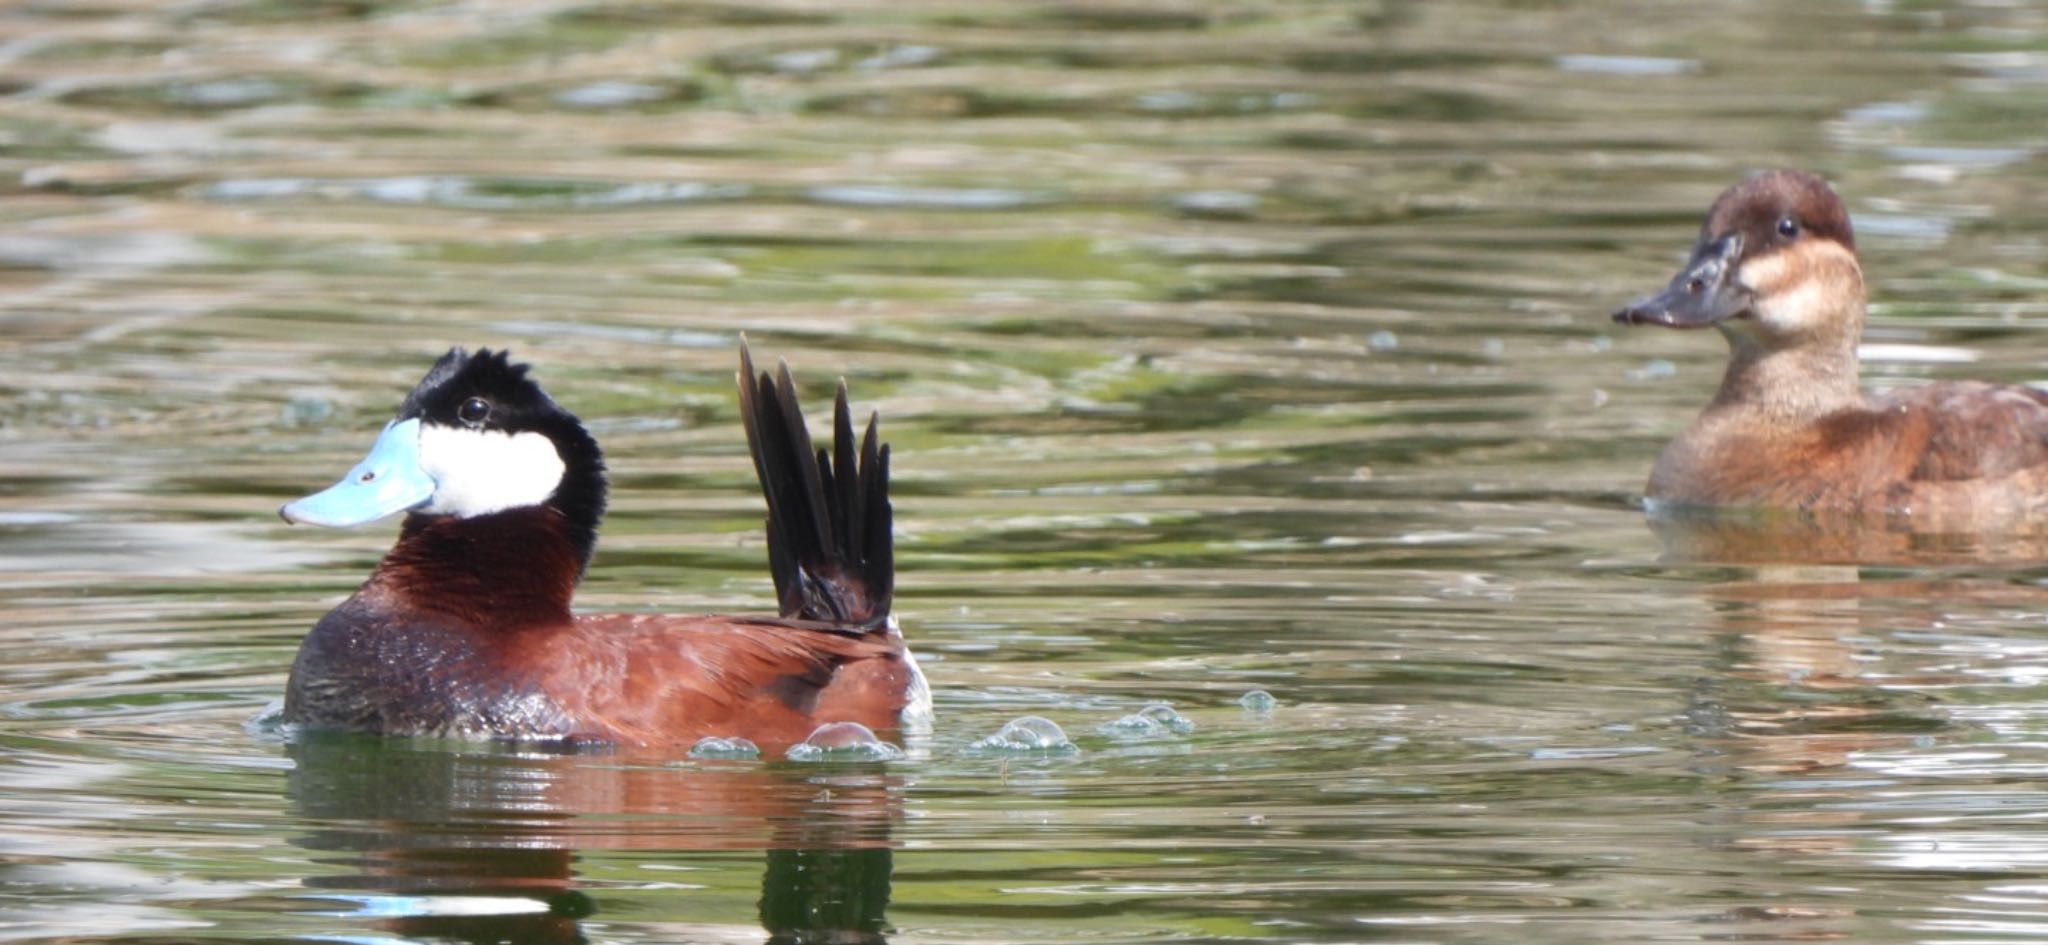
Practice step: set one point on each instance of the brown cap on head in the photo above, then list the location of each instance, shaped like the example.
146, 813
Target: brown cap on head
1758, 207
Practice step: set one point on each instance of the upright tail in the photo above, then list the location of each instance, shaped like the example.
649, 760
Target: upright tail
829, 523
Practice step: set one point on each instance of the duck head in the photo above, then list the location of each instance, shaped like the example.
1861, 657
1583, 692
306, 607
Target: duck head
475, 438
1774, 267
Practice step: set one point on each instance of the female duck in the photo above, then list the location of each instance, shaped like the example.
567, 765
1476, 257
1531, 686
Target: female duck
1775, 271
465, 630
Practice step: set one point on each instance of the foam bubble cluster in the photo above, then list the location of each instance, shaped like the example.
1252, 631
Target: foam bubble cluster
844, 741
1028, 734
714, 747
1157, 720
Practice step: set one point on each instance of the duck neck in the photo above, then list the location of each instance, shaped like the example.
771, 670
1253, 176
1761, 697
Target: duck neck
1800, 382
509, 569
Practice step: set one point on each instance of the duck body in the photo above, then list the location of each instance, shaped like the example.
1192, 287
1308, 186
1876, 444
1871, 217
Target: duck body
1775, 271
1958, 454
628, 679
465, 629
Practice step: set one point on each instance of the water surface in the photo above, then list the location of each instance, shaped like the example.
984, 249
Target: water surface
1222, 346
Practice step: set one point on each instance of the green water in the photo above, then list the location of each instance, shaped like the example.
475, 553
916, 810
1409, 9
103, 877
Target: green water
1223, 346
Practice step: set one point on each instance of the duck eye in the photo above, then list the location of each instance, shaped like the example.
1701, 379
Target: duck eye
473, 411
1788, 227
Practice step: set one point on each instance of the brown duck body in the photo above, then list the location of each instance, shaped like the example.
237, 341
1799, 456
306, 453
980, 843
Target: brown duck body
465, 628
1953, 455
1775, 271
442, 645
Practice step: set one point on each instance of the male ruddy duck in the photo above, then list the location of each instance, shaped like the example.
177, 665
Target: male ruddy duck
1775, 271
465, 630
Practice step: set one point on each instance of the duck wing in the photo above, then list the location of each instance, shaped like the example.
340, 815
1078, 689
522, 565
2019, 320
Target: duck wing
1973, 430
665, 679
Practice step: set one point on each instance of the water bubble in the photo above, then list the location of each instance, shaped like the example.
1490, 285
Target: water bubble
1163, 714
1133, 726
844, 741
714, 747
1026, 734
1258, 700
1153, 721
1382, 340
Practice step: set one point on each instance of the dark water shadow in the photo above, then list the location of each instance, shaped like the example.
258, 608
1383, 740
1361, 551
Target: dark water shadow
481, 843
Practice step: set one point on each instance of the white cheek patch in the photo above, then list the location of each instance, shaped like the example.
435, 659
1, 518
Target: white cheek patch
477, 472
1800, 289
1805, 306
1763, 274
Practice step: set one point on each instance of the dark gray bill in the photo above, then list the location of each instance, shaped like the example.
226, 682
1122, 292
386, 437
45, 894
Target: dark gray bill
1703, 293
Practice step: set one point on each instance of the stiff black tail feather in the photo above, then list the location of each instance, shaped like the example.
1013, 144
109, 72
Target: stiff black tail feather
830, 528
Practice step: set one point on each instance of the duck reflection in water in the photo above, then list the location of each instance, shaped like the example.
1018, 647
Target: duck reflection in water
481, 843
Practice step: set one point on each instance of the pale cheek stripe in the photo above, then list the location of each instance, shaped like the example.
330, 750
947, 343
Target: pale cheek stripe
1797, 288
1763, 275
477, 472
1798, 308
